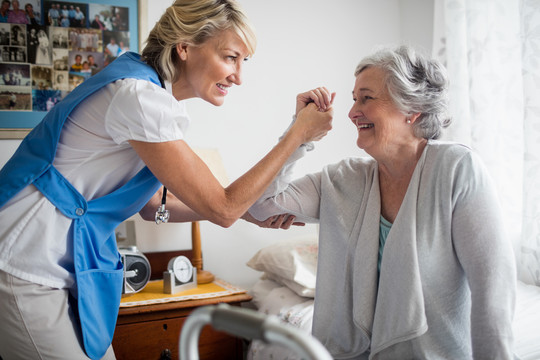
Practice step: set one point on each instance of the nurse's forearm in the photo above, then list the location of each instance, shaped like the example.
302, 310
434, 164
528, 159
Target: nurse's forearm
178, 168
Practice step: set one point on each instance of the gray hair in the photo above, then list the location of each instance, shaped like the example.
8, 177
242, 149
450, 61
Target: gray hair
416, 84
193, 22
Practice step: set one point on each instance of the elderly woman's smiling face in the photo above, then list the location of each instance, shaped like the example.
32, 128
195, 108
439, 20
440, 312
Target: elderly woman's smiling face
379, 122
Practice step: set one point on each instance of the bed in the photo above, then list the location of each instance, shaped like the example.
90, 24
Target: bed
287, 287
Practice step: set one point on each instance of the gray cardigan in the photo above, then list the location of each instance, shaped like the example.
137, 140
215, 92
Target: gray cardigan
446, 289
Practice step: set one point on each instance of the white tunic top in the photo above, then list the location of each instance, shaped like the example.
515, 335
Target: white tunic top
94, 155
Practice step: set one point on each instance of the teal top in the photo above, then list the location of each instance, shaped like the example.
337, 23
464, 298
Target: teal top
384, 229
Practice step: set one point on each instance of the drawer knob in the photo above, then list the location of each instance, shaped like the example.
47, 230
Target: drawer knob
165, 355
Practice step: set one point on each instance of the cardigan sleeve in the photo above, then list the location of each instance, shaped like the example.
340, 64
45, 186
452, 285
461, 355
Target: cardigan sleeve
300, 197
486, 255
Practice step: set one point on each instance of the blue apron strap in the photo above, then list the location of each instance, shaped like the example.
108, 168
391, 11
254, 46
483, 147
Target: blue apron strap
51, 183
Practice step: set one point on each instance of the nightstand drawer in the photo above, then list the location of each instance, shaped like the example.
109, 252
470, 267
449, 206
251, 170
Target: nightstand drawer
154, 339
151, 332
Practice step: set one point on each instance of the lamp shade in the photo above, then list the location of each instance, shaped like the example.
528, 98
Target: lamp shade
213, 160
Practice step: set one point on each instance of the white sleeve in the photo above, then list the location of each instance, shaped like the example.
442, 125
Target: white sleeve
143, 111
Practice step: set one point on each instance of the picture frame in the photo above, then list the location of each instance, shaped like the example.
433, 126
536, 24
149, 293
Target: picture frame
39, 84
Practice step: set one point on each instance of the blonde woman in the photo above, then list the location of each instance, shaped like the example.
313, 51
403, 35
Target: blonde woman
91, 164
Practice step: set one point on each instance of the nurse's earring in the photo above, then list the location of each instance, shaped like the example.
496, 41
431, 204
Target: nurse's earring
408, 121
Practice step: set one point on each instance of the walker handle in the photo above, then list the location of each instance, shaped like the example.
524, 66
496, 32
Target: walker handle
248, 324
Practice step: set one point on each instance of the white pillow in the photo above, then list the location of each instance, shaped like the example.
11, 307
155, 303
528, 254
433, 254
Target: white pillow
290, 309
300, 290
261, 289
292, 263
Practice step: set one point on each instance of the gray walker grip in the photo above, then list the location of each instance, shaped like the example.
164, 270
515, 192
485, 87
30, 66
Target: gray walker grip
248, 324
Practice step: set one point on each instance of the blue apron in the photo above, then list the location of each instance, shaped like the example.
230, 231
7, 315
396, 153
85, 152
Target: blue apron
98, 266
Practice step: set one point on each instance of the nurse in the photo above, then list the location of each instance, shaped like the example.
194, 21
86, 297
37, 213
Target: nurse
100, 156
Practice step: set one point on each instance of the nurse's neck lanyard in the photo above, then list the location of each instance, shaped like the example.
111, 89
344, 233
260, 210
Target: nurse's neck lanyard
162, 215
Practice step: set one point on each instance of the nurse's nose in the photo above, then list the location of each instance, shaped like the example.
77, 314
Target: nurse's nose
236, 76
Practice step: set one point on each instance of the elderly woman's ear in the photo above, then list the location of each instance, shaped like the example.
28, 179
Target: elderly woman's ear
411, 118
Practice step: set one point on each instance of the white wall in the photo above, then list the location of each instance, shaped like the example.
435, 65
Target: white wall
302, 44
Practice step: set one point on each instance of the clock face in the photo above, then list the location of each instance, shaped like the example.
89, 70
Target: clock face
183, 271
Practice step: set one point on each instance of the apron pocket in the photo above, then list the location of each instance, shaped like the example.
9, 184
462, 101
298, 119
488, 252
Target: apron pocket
99, 294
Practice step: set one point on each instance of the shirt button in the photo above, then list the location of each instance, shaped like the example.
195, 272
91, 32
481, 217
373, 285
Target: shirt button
79, 212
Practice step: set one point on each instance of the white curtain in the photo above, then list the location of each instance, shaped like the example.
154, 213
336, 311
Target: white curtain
491, 49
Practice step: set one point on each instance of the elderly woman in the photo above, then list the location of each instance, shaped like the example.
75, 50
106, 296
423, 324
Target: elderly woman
17, 15
413, 258
100, 156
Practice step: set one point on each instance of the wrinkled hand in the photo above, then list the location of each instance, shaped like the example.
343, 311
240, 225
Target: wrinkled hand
320, 96
283, 221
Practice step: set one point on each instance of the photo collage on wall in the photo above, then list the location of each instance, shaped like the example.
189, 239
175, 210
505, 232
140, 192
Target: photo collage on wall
47, 48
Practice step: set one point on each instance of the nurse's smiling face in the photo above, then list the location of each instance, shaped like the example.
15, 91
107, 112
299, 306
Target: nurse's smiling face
209, 70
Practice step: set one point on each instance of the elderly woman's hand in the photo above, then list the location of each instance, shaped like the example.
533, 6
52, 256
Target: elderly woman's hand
321, 96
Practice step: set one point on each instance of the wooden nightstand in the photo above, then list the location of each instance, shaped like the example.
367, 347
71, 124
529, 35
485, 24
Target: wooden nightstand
153, 331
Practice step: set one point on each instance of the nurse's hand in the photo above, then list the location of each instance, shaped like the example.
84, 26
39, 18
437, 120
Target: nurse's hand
321, 96
283, 221
312, 124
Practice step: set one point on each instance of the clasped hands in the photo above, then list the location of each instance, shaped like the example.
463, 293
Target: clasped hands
314, 112
313, 105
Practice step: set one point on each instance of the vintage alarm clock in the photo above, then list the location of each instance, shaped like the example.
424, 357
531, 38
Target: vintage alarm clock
136, 270
181, 275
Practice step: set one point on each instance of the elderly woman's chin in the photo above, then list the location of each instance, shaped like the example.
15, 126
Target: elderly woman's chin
363, 142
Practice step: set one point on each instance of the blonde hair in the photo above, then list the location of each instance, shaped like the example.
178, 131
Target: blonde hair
193, 22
